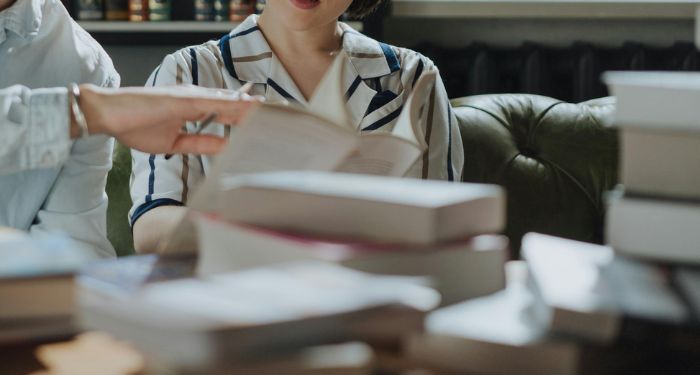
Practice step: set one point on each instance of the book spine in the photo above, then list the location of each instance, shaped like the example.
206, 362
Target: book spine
138, 10
259, 6
221, 10
159, 10
240, 9
116, 10
90, 10
204, 10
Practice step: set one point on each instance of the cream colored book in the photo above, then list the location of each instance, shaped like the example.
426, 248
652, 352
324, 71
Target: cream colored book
459, 270
495, 334
362, 207
659, 117
233, 317
587, 291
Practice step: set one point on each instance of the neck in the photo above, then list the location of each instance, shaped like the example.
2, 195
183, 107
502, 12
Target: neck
324, 39
4, 4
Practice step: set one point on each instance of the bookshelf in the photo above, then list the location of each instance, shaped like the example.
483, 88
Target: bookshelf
168, 26
163, 32
573, 9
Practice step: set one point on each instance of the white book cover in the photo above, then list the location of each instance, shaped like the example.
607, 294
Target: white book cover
495, 334
661, 101
661, 230
363, 207
660, 164
459, 270
586, 290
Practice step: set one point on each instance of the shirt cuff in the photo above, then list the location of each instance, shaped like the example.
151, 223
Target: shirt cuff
49, 123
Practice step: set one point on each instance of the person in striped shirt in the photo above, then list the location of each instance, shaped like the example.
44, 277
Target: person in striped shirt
284, 53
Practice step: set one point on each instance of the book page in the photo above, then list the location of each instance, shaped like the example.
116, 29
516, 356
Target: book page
382, 154
277, 138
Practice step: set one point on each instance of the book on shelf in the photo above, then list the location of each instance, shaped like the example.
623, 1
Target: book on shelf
660, 132
494, 334
203, 10
239, 316
159, 10
240, 9
458, 270
37, 284
138, 10
116, 10
260, 6
89, 10
221, 10
656, 229
588, 291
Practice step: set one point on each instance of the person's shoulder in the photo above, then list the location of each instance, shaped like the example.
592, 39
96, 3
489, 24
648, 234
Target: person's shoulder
412, 60
79, 46
186, 56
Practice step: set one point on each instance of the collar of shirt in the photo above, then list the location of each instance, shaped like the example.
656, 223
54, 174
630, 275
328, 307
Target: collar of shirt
23, 18
248, 57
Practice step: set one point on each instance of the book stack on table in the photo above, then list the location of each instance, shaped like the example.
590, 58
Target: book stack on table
573, 307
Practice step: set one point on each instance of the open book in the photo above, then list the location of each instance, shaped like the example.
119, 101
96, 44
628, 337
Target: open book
277, 137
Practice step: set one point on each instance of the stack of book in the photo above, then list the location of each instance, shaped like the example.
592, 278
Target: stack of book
250, 318
569, 308
573, 307
37, 285
439, 230
658, 215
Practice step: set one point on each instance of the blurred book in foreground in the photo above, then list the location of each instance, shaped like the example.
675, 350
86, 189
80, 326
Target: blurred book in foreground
37, 285
359, 207
459, 270
233, 317
589, 292
494, 334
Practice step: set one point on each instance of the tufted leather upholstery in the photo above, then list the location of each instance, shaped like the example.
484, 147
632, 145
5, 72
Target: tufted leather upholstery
555, 159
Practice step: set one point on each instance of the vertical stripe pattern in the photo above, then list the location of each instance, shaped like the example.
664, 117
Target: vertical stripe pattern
152, 157
429, 133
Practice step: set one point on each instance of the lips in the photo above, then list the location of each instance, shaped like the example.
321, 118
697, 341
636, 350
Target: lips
305, 4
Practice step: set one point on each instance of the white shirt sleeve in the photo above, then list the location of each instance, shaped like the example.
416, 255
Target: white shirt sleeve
34, 128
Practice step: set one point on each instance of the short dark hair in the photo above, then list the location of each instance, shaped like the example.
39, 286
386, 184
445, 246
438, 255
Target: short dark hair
361, 8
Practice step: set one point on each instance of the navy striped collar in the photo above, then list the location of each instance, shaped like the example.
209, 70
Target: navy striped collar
247, 55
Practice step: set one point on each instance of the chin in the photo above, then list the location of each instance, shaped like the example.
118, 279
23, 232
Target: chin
301, 15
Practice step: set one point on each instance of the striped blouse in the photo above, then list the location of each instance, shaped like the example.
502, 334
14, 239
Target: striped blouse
378, 79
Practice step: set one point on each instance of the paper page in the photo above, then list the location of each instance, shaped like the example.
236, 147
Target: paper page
408, 125
328, 99
382, 154
277, 138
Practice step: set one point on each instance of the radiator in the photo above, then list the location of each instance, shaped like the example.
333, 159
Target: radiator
571, 74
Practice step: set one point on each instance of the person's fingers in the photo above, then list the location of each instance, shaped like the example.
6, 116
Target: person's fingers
199, 144
228, 111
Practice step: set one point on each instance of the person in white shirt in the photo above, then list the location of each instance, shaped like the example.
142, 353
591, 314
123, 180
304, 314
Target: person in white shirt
51, 181
41, 46
284, 53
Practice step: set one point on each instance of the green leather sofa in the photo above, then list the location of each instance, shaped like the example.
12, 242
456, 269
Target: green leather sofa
555, 159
